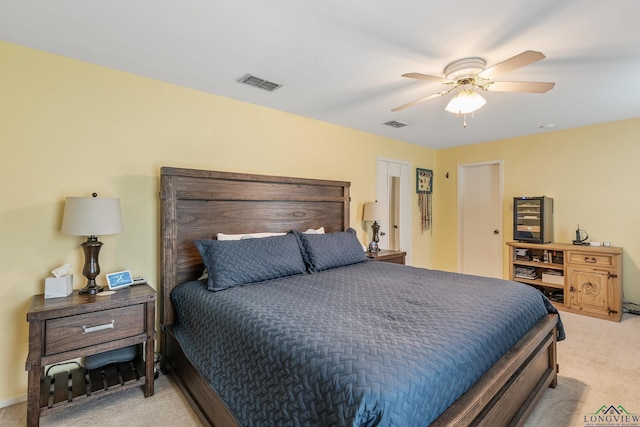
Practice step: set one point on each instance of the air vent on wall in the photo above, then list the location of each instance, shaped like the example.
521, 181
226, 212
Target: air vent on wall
258, 82
395, 124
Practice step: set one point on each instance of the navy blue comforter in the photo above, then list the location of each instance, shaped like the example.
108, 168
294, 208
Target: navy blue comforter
371, 344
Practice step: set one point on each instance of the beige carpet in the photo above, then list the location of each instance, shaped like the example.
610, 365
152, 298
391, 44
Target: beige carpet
167, 407
598, 366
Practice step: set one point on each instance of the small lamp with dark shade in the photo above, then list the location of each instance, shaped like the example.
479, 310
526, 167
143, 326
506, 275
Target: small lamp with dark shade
373, 211
91, 217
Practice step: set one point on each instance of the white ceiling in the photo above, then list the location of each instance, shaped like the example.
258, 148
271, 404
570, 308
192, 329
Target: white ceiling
341, 61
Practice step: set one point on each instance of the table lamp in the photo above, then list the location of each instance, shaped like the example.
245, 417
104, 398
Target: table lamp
373, 211
91, 217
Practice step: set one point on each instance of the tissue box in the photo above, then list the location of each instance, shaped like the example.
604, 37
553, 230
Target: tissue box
57, 287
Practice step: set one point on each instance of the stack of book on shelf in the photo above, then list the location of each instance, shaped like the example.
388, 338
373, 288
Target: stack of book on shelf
522, 254
556, 296
524, 272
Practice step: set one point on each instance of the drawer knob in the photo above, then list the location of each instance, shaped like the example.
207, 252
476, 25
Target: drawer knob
87, 329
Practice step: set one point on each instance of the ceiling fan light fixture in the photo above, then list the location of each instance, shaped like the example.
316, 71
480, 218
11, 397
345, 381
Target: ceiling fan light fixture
464, 68
466, 101
467, 74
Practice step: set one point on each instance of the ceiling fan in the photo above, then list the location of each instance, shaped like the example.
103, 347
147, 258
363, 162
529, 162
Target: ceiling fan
469, 73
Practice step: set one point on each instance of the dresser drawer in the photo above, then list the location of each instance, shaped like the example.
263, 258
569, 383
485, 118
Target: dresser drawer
586, 258
83, 330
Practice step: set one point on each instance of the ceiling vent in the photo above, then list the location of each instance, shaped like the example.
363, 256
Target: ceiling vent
258, 82
395, 124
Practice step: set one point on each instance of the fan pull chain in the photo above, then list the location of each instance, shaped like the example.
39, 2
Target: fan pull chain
464, 119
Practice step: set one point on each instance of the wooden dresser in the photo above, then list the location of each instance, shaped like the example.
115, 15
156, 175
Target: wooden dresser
581, 279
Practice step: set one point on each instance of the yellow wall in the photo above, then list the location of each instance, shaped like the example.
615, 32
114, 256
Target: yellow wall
592, 173
70, 128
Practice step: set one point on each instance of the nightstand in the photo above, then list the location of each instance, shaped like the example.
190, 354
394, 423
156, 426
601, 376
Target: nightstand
386, 255
61, 329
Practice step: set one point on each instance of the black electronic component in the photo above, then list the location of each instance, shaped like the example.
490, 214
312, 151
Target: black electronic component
533, 219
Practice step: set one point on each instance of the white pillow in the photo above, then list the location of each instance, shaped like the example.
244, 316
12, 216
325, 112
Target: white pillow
222, 236
316, 231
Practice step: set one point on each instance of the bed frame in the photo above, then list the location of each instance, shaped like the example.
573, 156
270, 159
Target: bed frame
197, 204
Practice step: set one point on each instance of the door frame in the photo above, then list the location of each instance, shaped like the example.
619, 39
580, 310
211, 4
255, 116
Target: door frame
405, 219
460, 171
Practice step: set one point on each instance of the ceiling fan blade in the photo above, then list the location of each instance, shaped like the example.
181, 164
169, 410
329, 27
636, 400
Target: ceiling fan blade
426, 77
417, 101
520, 60
530, 87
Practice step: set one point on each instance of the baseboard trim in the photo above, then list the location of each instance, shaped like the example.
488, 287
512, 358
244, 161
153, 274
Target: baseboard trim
9, 402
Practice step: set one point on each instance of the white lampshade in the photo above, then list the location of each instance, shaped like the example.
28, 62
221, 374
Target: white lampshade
91, 216
373, 211
466, 101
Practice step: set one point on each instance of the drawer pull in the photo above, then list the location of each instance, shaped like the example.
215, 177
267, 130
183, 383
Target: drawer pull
86, 330
590, 259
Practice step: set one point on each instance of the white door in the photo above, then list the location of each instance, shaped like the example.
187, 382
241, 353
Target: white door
394, 213
394, 189
480, 219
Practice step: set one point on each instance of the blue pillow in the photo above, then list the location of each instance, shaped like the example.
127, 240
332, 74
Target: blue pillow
325, 251
236, 262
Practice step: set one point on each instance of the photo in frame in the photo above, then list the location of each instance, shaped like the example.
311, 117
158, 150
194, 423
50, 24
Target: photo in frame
424, 180
424, 188
119, 280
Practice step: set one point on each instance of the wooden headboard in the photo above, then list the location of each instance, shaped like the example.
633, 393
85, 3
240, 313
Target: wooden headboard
198, 204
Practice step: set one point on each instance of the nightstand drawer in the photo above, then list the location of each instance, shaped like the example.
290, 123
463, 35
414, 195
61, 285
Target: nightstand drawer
394, 260
83, 330
386, 255
585, 258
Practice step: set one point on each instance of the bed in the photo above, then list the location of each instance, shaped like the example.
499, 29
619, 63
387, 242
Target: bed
197, 204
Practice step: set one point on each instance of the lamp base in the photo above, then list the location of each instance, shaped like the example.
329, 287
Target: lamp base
91, 267
373, 246
91, 289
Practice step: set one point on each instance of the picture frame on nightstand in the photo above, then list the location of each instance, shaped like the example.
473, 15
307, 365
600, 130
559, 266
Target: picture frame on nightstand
119, 280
